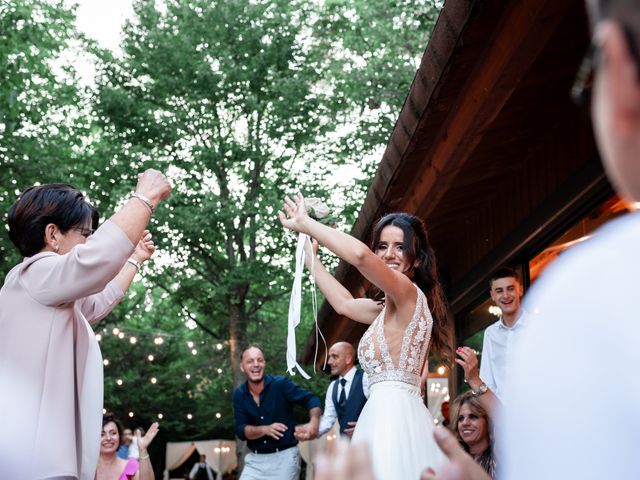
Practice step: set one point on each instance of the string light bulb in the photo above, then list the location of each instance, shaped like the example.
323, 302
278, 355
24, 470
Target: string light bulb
154, 380
105, 362
150, 358
133, 340
130, 414
119, 381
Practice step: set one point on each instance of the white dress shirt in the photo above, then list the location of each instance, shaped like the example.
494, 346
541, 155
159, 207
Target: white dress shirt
572, 408
195, 468
330, 415
497, 348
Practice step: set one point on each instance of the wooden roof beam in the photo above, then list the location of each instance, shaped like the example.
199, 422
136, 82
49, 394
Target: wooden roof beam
524, 30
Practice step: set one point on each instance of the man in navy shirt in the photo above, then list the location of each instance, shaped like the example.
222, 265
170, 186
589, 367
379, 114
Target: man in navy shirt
263, 411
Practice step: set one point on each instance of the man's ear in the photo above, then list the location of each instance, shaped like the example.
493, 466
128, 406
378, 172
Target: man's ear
623, 79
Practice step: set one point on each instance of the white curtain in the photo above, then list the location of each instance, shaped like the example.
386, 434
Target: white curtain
221, 455
437, 392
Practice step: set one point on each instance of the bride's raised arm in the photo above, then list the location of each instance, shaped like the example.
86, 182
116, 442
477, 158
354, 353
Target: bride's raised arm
363, 310
397, 287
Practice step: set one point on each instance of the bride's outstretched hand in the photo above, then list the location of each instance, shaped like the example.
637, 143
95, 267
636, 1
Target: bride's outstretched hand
295, 213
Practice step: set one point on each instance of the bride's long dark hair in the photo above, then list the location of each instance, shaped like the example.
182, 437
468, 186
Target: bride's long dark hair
423, 271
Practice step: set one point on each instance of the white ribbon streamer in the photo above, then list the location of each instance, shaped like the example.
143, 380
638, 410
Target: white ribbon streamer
294, 308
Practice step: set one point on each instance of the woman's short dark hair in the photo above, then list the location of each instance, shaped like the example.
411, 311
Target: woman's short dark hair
110, 417
36, 207
423, 270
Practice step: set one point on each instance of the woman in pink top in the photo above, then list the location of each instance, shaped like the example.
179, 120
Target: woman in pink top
110, 466
50, 362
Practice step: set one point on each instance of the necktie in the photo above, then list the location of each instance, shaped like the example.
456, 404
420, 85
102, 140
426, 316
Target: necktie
343, 394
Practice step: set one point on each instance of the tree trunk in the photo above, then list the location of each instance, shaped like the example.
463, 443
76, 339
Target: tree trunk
237, 338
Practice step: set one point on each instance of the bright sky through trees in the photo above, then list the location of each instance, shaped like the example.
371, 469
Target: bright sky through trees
102, 21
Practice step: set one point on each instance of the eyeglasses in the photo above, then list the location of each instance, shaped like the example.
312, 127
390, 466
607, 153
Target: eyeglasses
583, 84
85, 232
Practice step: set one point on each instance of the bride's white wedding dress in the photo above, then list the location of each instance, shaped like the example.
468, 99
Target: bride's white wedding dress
395, 422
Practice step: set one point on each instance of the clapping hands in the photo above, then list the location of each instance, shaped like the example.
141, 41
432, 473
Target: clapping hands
144, 249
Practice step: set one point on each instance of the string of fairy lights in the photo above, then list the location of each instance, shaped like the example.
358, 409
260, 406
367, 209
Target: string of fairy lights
158, 340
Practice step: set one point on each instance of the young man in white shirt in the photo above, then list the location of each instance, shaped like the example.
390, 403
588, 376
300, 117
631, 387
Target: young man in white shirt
499, 338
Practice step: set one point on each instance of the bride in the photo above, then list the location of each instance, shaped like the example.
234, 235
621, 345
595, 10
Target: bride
393, 351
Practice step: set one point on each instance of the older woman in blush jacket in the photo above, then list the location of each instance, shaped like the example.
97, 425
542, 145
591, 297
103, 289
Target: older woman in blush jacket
50, 362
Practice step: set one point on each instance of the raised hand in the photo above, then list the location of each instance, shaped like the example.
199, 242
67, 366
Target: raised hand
275, 430
295, 213
145, 248
154, 186
144, 442
469, 362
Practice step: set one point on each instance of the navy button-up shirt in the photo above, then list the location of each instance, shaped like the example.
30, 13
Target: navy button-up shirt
276, 405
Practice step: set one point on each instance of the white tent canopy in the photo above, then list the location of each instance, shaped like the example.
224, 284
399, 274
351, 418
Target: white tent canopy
221, 455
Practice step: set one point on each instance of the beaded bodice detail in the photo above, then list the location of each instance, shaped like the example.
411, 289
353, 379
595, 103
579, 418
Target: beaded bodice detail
378, 361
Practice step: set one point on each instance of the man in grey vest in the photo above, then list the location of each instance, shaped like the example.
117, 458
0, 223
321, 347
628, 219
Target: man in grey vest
347, 394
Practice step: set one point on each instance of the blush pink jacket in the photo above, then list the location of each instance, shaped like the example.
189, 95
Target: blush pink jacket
50, 363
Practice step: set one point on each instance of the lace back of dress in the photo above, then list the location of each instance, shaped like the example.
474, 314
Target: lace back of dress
405, 365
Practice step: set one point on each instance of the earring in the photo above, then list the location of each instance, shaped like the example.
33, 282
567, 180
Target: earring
56, 248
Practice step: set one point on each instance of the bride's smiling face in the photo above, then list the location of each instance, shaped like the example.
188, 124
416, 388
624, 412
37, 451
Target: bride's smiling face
390, 248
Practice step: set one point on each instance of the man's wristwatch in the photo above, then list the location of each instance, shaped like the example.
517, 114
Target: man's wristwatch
482, 389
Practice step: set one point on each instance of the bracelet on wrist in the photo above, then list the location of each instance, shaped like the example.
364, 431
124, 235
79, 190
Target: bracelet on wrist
134, 262
144, 457
144, 200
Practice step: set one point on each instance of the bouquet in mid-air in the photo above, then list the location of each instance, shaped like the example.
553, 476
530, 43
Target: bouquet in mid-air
319, 211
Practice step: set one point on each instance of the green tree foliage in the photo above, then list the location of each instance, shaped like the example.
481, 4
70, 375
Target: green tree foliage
372, 50
226, 97
240, 102
38, 98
